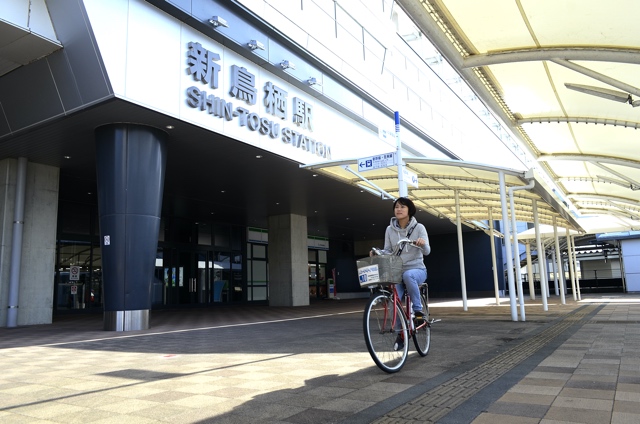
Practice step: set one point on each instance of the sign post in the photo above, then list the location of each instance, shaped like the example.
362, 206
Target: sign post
402, 185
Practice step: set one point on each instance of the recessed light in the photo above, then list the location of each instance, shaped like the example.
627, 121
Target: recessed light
67, 157
315, 175
258, 156
169, 127
221, 191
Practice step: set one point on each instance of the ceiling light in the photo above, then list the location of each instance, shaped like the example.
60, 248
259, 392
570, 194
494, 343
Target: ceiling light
285, 64
217, 21
169, 127
255, 45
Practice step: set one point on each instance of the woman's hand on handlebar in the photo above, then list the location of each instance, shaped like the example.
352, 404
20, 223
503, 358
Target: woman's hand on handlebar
419, 242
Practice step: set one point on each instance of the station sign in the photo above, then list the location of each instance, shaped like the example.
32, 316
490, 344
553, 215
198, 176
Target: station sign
376, 162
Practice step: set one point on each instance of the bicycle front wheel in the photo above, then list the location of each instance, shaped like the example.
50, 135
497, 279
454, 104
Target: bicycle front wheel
422, 334
387, 345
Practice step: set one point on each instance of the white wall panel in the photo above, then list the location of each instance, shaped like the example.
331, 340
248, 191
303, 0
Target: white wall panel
153, 50
109, 23
631, 258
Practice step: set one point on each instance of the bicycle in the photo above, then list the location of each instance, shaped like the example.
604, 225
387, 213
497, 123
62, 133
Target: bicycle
385, 317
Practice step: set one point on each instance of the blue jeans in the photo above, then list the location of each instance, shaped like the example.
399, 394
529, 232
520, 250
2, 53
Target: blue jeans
412, 279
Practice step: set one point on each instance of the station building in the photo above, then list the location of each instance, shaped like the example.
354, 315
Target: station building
151, 153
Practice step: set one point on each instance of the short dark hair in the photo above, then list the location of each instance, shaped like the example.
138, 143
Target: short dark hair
406, 202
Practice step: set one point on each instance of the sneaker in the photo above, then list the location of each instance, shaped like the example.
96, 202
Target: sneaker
399, 344
419, 317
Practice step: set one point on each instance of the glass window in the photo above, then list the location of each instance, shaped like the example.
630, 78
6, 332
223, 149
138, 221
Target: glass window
259, 272
322, 256
259, 293
78, 275
259, 251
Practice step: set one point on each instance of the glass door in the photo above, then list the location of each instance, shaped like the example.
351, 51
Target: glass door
317, 269
185, 276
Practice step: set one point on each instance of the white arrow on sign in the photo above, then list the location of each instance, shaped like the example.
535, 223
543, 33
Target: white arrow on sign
375, 162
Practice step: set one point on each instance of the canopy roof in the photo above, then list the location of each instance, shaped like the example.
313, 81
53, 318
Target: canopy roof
565, 77
477, 187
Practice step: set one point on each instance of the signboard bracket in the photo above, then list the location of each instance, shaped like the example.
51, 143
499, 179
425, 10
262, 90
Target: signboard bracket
383, 194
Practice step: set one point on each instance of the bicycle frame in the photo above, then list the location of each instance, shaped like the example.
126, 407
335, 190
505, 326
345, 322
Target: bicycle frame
406, 309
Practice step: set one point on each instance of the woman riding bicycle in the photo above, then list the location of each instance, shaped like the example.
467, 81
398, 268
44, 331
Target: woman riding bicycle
414, 272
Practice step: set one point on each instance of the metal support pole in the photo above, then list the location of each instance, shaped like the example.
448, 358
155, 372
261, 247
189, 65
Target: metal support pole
572, 271
542, 259
507, 247
16, 243
463, 280
532, 288
402, 185
554, 270
575, 266
516, 247
559, 261
493, 258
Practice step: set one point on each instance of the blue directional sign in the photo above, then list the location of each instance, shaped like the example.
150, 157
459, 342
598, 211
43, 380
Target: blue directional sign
375, 162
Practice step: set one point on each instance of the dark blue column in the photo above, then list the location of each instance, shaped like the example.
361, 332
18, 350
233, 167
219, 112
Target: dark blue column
130, 162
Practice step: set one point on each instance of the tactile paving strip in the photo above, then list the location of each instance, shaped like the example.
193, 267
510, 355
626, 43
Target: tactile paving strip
438, 402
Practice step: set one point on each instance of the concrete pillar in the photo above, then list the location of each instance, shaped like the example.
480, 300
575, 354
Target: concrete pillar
37, 256
130, 165
288, 261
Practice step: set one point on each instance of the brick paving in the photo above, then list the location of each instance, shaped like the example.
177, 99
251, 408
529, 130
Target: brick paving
575, 363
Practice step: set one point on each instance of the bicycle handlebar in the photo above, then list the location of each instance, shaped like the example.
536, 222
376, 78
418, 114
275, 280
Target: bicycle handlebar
396, 248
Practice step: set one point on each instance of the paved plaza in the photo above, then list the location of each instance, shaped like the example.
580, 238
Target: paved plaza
575, 363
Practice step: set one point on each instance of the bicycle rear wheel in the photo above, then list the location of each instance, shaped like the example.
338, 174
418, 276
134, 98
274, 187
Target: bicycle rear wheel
422, 334
380, 336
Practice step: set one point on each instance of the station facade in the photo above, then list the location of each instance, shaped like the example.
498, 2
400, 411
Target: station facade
151, 159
